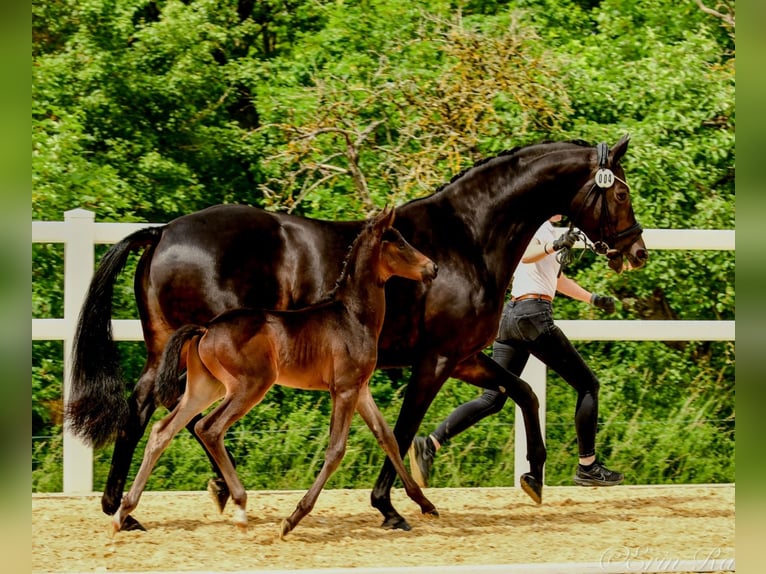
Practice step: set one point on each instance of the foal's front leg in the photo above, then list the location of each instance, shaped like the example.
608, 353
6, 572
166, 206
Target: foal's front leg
343, 407
386, 439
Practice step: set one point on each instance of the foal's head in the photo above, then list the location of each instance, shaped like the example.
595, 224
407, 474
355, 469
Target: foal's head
382, 251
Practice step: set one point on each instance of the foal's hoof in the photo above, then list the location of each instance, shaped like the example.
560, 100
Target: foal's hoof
219, 492
396, 523
114, 524
241, 527
284, 529
532, 486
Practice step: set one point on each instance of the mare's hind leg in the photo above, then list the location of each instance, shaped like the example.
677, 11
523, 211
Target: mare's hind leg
142, 406
199, 395
343, 407
385, 437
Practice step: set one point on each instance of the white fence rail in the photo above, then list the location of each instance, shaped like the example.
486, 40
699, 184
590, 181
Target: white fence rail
80, 233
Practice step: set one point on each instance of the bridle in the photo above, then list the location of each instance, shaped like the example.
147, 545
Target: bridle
603, 181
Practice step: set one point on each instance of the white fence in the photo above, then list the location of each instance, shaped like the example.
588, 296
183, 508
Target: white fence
79, 233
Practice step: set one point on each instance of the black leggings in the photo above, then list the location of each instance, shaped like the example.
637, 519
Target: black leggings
527, 327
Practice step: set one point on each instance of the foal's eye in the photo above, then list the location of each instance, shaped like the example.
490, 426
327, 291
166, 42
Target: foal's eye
391, 236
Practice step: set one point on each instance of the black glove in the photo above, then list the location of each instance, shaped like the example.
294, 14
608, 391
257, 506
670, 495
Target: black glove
604, 302
566, 240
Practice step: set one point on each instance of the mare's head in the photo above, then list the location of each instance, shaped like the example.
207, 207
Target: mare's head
602, 209
383, 247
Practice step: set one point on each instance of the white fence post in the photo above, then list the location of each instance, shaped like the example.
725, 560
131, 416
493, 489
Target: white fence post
534, 374
78, 270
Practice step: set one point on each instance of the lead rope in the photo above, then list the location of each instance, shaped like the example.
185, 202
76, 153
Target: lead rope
566, 257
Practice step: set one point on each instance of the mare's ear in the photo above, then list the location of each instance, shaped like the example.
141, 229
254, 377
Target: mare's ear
620, 148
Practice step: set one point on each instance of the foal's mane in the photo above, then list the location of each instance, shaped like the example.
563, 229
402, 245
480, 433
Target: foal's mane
344, 270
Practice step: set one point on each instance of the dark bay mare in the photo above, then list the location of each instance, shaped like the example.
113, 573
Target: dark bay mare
475, 228
332, 345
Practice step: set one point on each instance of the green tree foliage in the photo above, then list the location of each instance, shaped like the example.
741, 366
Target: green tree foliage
144, 110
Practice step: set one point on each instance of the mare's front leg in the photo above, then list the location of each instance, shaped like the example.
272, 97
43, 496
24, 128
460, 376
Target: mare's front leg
343, 407
385, 437
482, 371
427, 378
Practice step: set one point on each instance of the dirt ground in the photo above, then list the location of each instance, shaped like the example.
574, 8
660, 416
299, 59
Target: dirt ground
477, 526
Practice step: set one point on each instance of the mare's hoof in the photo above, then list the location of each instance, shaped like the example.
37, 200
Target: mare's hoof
396, 523
433, 513
131, 523
219, 492
532, 486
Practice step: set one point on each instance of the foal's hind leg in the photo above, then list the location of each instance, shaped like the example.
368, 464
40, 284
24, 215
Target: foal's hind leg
198, 396
385, 436
216, 487
241, 395
343, 406
211, 430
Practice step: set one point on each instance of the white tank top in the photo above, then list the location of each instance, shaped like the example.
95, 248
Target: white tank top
539, 277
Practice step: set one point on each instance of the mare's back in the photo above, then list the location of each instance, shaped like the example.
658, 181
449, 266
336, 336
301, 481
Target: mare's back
235, 256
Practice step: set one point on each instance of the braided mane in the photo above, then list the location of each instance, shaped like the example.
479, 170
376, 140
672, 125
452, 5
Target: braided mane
330, 295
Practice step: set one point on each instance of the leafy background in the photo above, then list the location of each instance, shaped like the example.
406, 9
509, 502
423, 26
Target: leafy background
147, 110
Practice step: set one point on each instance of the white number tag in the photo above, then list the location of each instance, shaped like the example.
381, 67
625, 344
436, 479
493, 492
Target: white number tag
604, 178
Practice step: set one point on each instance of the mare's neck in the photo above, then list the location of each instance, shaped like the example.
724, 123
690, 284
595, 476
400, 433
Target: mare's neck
502, 206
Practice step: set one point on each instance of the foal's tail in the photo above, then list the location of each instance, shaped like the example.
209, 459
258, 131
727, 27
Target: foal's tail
97, 405
170, 384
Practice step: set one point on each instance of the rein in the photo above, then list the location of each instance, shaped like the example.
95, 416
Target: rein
604, 180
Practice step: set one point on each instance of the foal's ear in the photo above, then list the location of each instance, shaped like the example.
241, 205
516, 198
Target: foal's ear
385, 220
620, 148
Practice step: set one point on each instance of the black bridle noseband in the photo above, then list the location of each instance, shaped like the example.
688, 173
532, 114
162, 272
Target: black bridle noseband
603, 180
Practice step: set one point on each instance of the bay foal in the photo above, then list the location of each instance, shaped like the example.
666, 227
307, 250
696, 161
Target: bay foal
241, 354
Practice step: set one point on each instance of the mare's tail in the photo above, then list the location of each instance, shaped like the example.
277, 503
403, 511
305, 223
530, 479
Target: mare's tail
169, 385
97, 405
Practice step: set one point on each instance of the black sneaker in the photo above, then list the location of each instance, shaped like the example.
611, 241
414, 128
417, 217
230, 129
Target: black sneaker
597, 475
421, 460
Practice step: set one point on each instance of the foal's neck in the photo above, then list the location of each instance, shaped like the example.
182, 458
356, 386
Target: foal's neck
362, 292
